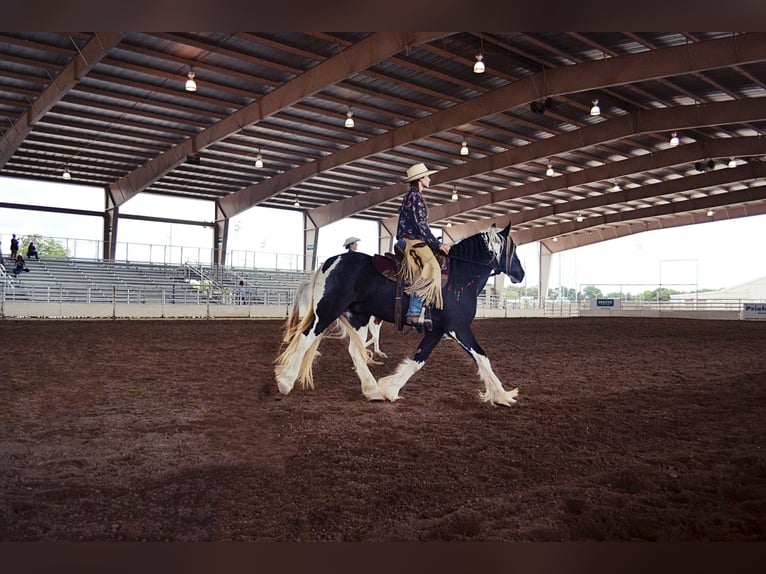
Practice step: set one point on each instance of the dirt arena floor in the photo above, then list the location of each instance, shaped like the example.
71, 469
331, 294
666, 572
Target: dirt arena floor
625, 429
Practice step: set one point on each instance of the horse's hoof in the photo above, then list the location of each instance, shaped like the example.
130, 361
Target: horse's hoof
375, 396
284, 388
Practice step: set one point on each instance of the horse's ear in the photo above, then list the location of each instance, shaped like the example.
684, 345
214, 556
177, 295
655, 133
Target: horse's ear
494, 226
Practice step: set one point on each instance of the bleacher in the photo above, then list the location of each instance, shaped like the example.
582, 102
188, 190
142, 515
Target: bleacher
264, 286
97, 281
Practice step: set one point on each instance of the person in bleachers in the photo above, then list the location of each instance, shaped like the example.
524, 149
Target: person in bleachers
19, 267
32, 251
241, 293
14, 247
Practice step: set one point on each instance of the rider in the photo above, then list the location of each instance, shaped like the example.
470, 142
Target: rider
412, 229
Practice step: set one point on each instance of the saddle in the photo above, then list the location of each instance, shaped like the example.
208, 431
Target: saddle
390, 266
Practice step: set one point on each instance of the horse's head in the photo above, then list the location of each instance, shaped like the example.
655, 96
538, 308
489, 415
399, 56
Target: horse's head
509, 262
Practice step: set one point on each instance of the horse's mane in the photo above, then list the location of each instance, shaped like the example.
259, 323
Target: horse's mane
475, 248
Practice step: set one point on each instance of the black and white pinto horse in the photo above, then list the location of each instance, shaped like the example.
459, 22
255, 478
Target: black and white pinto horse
349, 288
301, 306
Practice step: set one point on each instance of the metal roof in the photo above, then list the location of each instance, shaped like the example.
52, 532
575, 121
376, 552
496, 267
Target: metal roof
112, 109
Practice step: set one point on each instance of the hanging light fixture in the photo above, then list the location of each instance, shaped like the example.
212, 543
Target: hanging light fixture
549, 172
579, 217
616, 187
259, 160
191, 85
66, 175
595, 110
732, 162
296, 203
464, 148
454, 195
710, 213
674, 141
449, 224
478, 67
349, 119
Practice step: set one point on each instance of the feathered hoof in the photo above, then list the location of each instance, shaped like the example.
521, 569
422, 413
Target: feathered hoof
389, 393
284, 386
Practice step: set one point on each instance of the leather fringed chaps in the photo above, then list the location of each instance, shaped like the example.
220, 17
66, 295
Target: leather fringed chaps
422, 273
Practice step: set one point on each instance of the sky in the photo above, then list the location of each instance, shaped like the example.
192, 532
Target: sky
711, 255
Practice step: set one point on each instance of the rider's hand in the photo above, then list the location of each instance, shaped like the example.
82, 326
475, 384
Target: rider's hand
444, 247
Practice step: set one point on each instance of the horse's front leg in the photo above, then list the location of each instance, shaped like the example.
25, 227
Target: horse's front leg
391, 384
495, 393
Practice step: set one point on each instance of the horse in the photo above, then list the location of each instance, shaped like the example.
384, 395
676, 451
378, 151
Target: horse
349, 289
301, 306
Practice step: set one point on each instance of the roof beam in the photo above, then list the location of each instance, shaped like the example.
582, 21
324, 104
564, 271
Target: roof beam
730, 147
567, 79
753, 198
360, 56
89, 56
665, 119
703, 181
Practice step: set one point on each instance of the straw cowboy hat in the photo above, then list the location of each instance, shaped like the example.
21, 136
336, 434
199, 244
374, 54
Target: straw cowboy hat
350, 240
417, 171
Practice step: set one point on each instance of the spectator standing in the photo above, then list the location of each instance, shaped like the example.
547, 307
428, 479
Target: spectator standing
241, 293
32, 251
14, 247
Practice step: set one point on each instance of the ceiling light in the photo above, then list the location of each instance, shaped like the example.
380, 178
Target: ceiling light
191, 85
732, 162
555, 239
595, 110
710, 213
454, 195
349, 119
66, 175
449, 224
616, 187
549, 172
579, 218
296, 203
464, 148
478, 67
674, 141
259, 160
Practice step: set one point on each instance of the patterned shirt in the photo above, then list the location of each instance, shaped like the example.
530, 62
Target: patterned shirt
413, 218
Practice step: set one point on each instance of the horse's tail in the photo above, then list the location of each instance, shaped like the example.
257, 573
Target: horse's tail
298, 310
293, 338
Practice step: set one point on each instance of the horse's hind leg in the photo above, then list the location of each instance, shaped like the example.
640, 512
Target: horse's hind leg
374, 329
495, 393
358, 352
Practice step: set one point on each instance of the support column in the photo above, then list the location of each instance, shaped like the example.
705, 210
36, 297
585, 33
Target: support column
220, 233
545, 261
310, 241
111, 217
385, 238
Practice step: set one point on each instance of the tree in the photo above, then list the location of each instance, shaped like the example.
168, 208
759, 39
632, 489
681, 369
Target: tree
45, 247
591, 292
